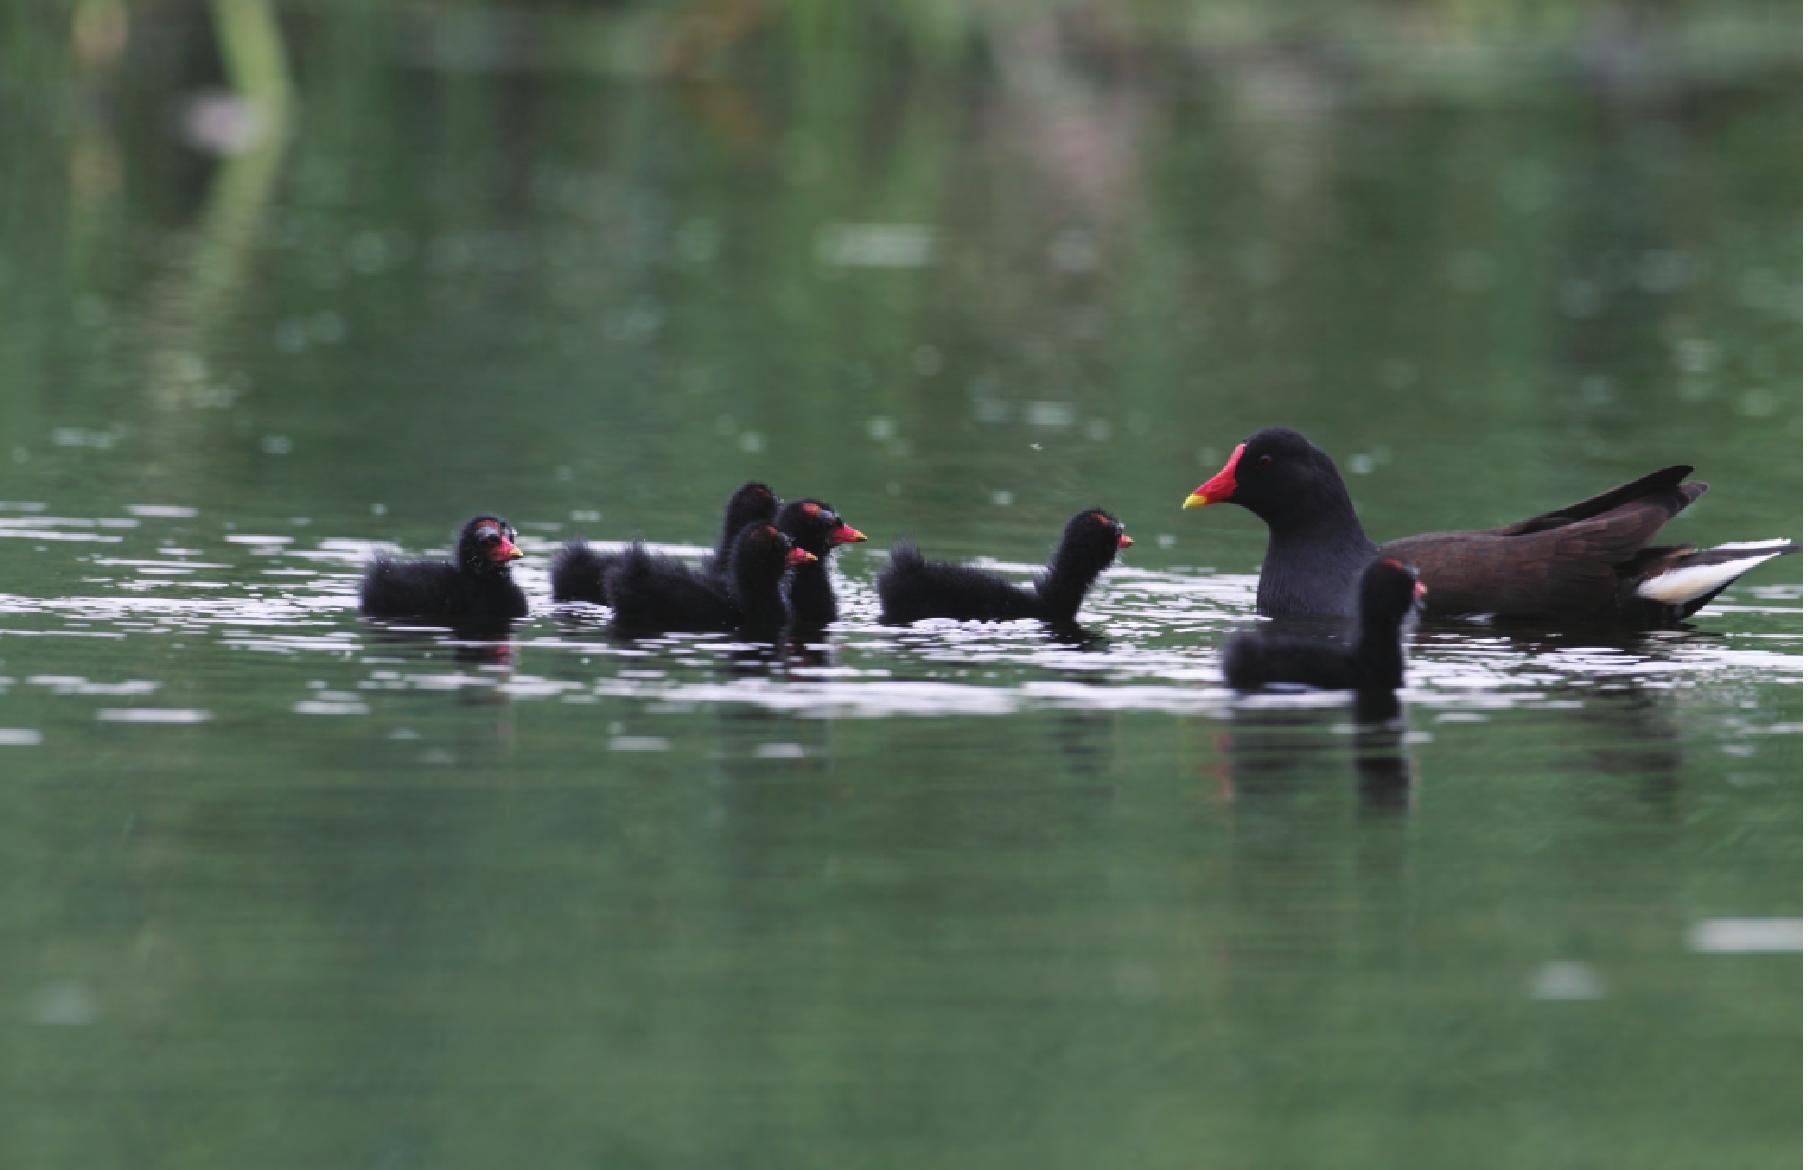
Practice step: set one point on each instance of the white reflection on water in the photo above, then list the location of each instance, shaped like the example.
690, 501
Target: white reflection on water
1566, 980
153, 715
1747, 936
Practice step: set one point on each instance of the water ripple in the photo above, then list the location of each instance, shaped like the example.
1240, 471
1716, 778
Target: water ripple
1150, 642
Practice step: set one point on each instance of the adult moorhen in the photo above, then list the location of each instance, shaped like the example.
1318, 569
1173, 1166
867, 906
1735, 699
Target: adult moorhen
653, 594
1588, 562
1371, 660
911, 588
472, 589
579, 571
819, 530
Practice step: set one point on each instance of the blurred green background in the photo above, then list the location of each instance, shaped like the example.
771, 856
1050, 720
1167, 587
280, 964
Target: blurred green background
917, 258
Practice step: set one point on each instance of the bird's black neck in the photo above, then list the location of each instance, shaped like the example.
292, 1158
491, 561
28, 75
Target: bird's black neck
486, 579
756, 595
1321, 515
1380, 657
812, 598
1064, 584
1316, 552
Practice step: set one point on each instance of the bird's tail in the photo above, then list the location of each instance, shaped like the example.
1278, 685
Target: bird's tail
1695, 577
905, 555
577, 573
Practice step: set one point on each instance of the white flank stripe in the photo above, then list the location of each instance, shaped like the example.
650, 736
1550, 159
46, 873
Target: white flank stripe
1684, 585
1780, 543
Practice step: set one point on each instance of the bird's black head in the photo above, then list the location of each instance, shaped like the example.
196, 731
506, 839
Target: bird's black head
486, 544
815, 527
1093, 538
751, 503
1277, 474
1388, 591
763, 553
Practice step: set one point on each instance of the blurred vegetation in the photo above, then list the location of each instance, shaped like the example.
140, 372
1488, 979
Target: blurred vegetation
1389, 221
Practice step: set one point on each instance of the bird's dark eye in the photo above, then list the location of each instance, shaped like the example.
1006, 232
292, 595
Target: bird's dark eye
1264, 461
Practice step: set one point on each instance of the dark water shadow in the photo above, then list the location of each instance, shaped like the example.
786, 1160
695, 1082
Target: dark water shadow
1278, 751
1384, 769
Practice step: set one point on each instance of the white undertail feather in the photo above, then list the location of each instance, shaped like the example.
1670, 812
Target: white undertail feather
1686, 582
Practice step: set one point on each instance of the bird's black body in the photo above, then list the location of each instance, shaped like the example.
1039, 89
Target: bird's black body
473, 588
580, 573
911, 588
1371, 659
654, 594
819, 530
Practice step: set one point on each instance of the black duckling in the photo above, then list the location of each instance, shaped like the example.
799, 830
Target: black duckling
819, 530
473, 588
1371, 660
911, 588
653, 594
579, 572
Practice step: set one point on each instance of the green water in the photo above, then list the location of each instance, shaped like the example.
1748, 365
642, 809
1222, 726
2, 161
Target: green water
280, 889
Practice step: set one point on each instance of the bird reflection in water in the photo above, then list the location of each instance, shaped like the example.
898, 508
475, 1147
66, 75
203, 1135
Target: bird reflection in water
1630, 726
1273, 751
486, 647
1384, 772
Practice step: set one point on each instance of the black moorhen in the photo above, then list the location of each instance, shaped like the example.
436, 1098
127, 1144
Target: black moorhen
653, 594
1587, 563
911, 588
474, 588
1370, 660
578, 571
819, 530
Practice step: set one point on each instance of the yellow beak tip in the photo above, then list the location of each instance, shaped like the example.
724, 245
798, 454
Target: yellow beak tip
1194, 501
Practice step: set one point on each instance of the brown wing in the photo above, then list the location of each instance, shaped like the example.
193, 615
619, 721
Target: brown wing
1656, 484
1563, 563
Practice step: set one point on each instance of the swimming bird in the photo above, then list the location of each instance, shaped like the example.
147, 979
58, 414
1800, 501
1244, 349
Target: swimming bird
911, 588
473, 587
579, 571
1371, 659
1589, 563
653, 594
819, 530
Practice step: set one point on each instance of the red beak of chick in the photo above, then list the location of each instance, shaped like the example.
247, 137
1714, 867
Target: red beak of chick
1219, 487
508, 550
846, 535
799, 556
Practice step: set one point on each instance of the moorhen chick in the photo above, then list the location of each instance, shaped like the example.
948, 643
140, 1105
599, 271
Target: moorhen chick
654, 594
819, 530
579, 571
911, 588
1371, 660
1589, 562
474, 588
